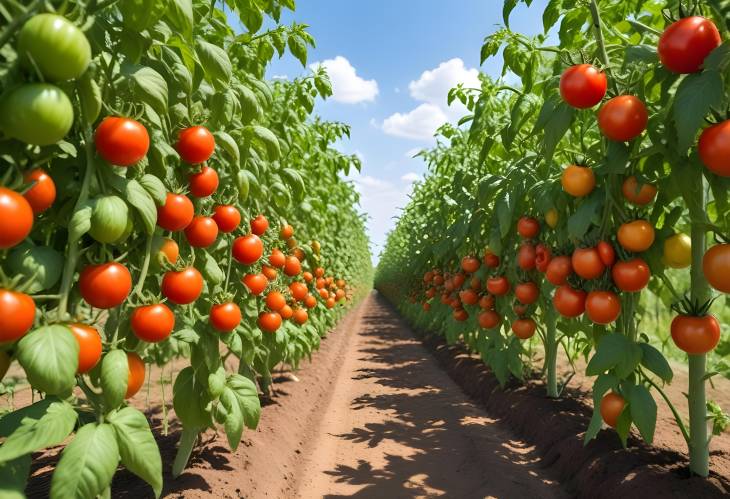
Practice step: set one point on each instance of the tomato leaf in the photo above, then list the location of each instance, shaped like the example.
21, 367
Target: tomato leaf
215, 63
80, 222
580, 221
114, 377
149, 85
298, 48
696, 96
247, 395
49, 356
45, 423
87, 464
260, 135
653, 360
643, 411
138, 197
234, 417
14, 476
180, 15
154, 188
137, 446
556, 125
189, 400
609, 353
229, 145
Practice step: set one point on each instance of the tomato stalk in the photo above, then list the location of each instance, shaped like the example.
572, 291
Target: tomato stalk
551, 351
187, 442
699, 451
597, 27
145, 266
73, 246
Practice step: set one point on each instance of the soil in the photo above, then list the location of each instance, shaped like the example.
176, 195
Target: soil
381, 413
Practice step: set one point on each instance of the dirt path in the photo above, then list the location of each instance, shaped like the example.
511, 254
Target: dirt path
397, 426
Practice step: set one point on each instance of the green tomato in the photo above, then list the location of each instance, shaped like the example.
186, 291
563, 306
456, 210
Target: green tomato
39, 265
55, 46
109, 219
36, 113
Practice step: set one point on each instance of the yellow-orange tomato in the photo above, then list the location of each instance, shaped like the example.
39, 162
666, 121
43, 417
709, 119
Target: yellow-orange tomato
638, 194
578, 181
636, 236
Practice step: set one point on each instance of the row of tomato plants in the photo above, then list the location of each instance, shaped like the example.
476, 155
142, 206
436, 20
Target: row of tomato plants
160, 202
591, 184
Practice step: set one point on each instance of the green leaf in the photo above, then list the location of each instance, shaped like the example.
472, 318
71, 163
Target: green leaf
47, 423
617, 157
507, 9
233, 423
13, 477
641, 53
180, 15
114, 377
580, 221
138, 197
215, 62
653, 360
229, 145
295, 182
87, 464
49, 356
551, 14
696, 96
298, 48
80, 222
154, 188
609, 353
211, 270
137, 446
189, 399
150, 86
643, 411
217, 381
89, 96
264, 136
250, 15
557, 124
248, 398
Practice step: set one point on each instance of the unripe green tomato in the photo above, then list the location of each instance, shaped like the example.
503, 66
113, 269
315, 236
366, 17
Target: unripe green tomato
55, 46
36, 113
109, 219
41, 266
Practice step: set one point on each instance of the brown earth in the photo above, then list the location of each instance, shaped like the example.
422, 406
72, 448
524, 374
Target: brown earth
376, 415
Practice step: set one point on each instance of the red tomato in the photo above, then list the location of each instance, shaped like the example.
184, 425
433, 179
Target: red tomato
606, 253
631, 275
43, 193
526, 256
16, 218
486, 302
248, 249
195, 145
490, 260
259, 225
202, 232
426, 307
583, 86
489, 319
286, 232
121, 141
286, 312
90, 346
298, 290
106, 285
168, 250
277, 258
269, 272
275, 301
204, 183
716, 267
685, 44
470, 264
301, 316
612, 405
603, 307
256, 283
623, 118
176, 213
269, 322
695, 335
636, 236
17, 314
460, 315
292, 266
469, 297
637, 194
587, 263
524, 328
528, 227
182, 287
714, 148
558, 270
152, 323
310, 301
225, 317
135, 380
542, 257
527, 292
569, 302
498, 285
227, 217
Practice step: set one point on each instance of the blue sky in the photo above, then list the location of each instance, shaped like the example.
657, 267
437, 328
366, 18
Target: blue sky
392, 62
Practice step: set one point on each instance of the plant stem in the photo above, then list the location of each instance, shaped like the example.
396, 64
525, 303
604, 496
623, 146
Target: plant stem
699, 452
187, 442
145, 266
19, 21
551, 351
596, 16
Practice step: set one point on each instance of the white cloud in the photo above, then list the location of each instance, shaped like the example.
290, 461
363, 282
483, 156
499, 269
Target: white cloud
347, 86
280, 77
419, 124
410, 177
432, 89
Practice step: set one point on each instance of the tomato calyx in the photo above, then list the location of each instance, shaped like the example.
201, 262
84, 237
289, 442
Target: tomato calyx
694, 308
